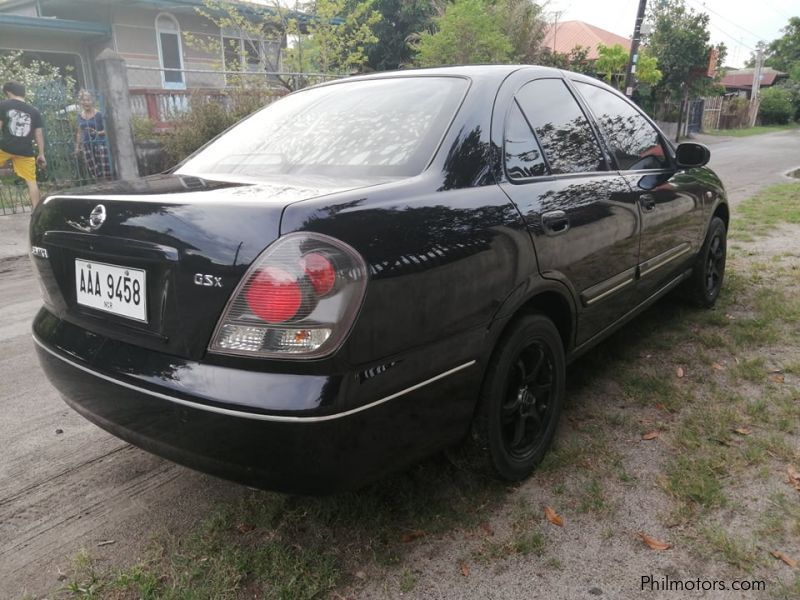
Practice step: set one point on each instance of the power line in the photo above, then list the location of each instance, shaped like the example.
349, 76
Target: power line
704, 7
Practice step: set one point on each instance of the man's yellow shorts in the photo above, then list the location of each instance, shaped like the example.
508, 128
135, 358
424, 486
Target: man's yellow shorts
24, 166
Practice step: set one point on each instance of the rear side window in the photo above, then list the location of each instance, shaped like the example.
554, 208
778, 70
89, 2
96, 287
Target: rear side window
633, 141
562, 128
523, 156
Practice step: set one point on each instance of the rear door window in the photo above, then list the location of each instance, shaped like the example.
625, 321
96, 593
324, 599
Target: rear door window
634, 142
523, 155
563, 130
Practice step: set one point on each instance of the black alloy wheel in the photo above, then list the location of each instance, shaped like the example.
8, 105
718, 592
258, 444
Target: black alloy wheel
528, 404
715, 266
521, 397
705, 283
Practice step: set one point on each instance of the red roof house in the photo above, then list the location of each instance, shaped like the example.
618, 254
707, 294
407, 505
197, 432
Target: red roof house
741, 80
563, 37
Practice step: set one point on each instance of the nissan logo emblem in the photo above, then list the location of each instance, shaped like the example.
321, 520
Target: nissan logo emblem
97, 217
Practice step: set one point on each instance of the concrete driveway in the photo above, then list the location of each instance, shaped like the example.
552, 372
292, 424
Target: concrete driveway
67, 485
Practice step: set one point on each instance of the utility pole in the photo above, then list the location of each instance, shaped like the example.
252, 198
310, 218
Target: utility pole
756, 83
637, 36
557, 14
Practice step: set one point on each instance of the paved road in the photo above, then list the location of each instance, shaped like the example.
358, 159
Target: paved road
66, 485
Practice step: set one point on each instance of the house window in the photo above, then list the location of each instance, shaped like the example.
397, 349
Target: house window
170, 52
240, 53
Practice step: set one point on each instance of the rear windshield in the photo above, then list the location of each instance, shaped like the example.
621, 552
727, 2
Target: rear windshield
384, 127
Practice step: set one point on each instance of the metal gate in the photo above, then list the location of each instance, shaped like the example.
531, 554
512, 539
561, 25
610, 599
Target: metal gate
694, 118
70, 161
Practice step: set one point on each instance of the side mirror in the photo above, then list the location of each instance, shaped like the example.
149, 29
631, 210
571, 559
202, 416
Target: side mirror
690, 155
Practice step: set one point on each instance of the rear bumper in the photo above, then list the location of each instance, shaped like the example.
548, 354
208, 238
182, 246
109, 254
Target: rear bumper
317, 448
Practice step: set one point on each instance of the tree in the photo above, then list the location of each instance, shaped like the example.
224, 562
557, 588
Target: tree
611, 63
783, 54
524, 25
613, 60
576, 60
32, 74
332, 37
680, 43
340, 32
776, 106
401, 22
468, 32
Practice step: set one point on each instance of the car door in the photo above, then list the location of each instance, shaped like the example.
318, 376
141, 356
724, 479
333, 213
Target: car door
580, 214
670, 200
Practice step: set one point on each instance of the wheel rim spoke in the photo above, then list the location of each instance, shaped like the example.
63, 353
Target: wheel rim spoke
519, 431
533, 373
525, 414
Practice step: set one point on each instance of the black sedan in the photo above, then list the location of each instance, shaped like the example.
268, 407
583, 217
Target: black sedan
371, 270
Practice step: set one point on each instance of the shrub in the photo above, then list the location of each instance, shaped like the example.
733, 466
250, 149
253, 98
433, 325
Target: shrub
776, 106
203, 122
143, 128
208, 117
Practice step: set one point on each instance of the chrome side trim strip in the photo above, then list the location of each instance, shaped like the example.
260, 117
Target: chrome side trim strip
608, 292
248, 415
627, 316
646, 267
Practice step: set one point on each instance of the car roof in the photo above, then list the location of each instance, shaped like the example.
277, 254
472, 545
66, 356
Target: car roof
487, 73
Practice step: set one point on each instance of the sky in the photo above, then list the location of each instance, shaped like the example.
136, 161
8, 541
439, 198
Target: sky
738, 23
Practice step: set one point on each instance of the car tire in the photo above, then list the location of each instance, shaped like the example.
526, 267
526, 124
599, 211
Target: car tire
705, 283
521, 398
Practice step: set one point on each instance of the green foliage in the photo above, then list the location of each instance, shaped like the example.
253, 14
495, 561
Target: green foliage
203, 122
784, 53
611, 63
401, 21
31, 73
776, 106
341, 33
143, 128
793, 86
523, 23
647, 70
332, 38
680, 43
468, 33
576, 60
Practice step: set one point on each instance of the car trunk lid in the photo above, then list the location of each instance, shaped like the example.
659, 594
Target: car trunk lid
182, 242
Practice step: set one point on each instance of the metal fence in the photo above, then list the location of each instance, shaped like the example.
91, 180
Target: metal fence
164, 106
72, 159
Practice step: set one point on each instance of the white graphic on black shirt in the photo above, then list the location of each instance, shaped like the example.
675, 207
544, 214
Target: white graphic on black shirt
19, 123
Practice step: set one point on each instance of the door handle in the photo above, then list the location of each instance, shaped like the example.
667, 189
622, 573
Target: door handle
555, 222
647, 202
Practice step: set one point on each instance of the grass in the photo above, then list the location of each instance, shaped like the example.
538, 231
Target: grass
276, 546
770, 208
736, 551
748, 131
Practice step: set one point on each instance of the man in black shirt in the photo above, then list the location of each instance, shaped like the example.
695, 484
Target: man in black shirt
20, 124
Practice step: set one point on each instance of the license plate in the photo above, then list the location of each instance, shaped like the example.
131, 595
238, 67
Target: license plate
117, 290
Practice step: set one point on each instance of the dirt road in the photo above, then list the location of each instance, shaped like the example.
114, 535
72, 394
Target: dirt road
67, 485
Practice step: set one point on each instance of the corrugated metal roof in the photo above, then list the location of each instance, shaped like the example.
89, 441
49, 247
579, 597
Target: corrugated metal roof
564, 36
743, 78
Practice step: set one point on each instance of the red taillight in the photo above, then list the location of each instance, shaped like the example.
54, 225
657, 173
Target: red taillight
274, 295
320, 272
298, 299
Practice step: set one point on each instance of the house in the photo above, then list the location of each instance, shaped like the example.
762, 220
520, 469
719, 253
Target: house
740, 81
563, 37
166, 44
